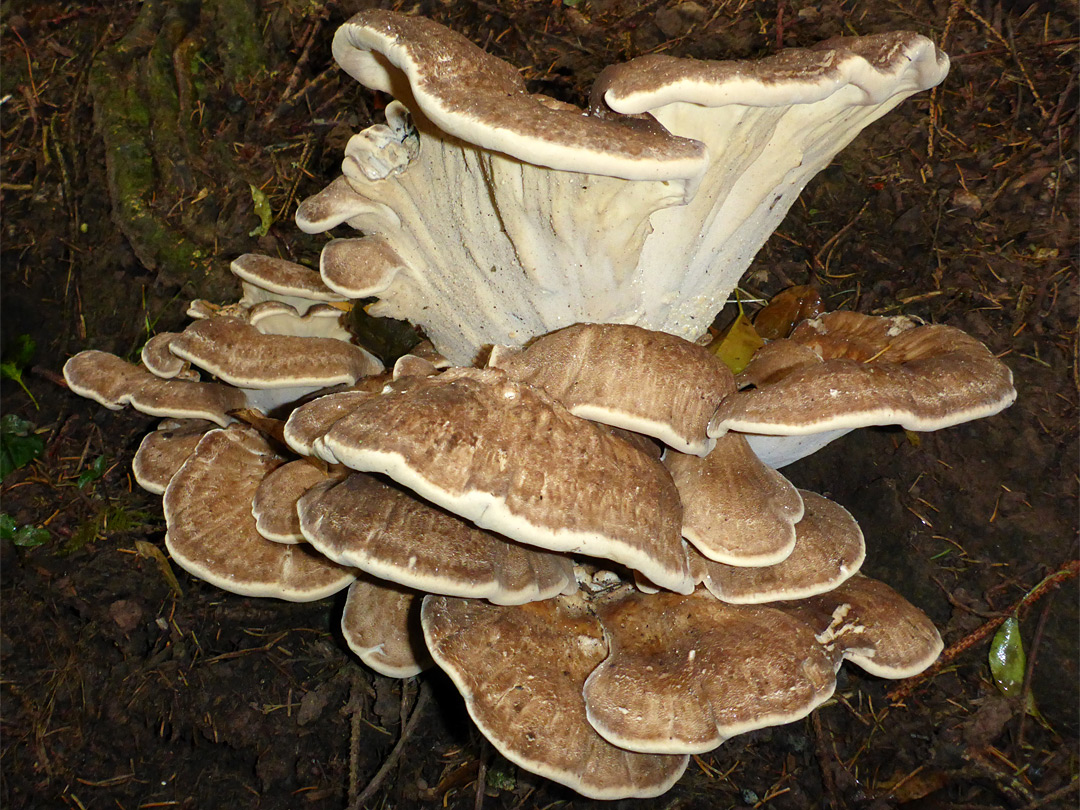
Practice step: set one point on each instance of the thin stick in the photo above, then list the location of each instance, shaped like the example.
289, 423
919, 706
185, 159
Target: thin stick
387, 766
1012, 52
1068, 571
1025, 693
481, 775
356, 716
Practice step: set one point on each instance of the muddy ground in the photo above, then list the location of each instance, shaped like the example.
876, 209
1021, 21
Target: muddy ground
132, 134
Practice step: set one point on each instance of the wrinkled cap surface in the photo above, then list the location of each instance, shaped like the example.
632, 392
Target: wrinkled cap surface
868, 623
381, 624
161, 362
628, 377
274, 503
212, 533
521, 671
163, 451
792, 76
736, 510
846, 370
281, 280
366, 523
829, 548
313, 419
686, 672
482, 100
241, 355
512, 460
113, 382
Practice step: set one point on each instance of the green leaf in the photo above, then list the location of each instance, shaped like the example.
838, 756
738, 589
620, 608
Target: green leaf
18, 444
1007, 660
24, 536
12, 367
24, 351
92, 473
29, 537
262, 210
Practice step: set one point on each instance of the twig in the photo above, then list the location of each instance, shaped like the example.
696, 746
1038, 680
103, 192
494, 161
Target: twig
1053, 796
1069, 571
301, 63
1012, 53
1025, 692
825, 762
836, 237
481, 775
356, 716
387, 766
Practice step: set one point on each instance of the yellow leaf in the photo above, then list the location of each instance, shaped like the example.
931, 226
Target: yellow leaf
262, 211
737, 344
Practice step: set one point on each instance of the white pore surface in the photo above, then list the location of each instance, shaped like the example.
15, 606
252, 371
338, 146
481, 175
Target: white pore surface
497, 251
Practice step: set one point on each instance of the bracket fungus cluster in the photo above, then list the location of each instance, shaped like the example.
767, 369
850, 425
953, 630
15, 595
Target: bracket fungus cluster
561, 500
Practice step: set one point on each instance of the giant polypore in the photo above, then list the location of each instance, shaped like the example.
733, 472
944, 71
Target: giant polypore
574, 520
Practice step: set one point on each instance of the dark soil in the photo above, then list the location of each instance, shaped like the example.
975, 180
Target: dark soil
131, 136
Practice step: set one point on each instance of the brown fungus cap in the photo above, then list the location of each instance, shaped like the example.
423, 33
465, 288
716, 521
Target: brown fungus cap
482, 100
685, 673
274, 503
212, 533
879, 65
239, 354
359, 268
514, 461
736, 510
829, 548
521, 671
114, 383
269, 279
868, 623
163, 451
381, 624
161, 362
335, 204
308, 423
379, 528
622, 375
857, 370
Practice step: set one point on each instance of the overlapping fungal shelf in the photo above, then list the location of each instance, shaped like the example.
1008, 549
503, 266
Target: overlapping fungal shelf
578, 529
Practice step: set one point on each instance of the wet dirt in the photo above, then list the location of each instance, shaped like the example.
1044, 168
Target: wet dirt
959, 207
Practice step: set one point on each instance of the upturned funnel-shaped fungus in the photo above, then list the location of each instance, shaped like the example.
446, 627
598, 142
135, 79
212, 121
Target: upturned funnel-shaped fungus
645, 209
588, 249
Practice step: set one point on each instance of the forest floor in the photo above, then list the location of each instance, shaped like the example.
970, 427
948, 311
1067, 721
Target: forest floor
133, 134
